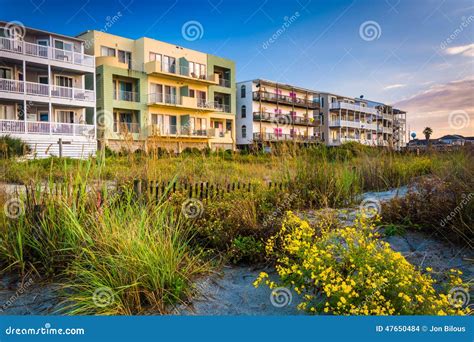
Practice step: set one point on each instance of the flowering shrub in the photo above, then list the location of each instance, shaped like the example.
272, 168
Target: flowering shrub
348, 271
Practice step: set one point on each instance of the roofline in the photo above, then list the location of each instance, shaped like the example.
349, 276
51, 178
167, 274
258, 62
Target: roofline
28, 28
258, 80
161, 41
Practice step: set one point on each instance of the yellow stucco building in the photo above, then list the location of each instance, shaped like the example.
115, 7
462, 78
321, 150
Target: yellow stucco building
151, 94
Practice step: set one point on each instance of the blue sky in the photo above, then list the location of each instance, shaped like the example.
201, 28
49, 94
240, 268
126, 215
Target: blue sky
409, 61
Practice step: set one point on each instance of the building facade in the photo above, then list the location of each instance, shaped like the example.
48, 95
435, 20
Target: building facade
345, 119
152, 94
269, 112
47, 95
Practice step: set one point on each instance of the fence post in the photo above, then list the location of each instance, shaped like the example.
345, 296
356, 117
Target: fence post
137, 187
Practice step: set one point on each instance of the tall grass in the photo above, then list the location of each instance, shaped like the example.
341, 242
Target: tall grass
139, 253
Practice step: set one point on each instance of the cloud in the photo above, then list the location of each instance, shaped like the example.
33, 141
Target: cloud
464, 50
394, 86
433, 106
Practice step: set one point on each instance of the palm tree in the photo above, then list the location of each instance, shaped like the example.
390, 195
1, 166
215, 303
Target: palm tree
427, 133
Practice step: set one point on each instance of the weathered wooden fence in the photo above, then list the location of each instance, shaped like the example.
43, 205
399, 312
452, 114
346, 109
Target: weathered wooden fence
201, 190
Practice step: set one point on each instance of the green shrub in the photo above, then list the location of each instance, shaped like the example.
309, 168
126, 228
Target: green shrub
12, 147
246, 249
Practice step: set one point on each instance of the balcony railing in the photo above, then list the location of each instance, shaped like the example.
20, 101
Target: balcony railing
130, 96
126, 127
220, 107
290, 100
353, 107
163, 98
288, 119
47, 52
353, 124
284, 137
224, 82
40, 89
174, 130
46, 128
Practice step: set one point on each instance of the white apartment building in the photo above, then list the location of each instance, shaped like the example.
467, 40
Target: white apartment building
270, 112
345, 119
47, 95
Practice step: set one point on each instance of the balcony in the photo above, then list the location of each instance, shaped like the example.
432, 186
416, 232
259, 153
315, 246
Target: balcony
46, 128
283, 137
175, 71
126, 127
46, 52
224, 82
130, 96
178, 131
388, 130
284, 119
184, 102
353, 124
283, 99
353, 107
46, 90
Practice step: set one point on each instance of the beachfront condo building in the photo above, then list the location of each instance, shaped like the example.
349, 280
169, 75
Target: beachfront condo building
269, 112
151, 94
344, 119
47, 95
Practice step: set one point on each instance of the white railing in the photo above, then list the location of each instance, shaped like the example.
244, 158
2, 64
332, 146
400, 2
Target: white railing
30, 49
163, 98
11, 86
353, 107
40, 89
37, 89
49, 128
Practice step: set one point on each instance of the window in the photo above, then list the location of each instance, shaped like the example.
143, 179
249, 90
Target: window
243, 111
125, 57
106, 51
7, 112
65, 116
169, 64
155, 57
62, 45
242, 91
64, 81
322, 102
191, 93
228, 125
43, 79
5, 72
43, 116
244, 131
